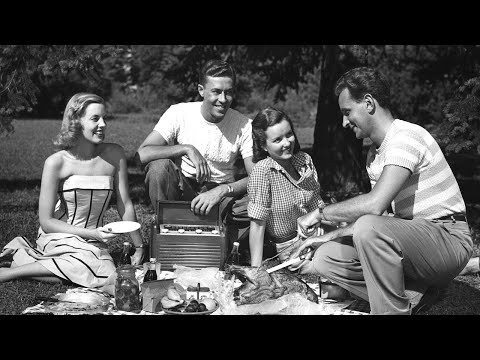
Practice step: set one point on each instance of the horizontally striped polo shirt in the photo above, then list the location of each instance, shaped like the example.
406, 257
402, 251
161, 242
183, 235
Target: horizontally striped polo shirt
432, 190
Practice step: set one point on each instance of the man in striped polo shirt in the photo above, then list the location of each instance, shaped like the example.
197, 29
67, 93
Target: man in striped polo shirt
391, 260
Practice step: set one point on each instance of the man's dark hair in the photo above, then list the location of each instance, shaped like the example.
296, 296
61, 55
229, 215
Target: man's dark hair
216, 68
365, 80
263, 120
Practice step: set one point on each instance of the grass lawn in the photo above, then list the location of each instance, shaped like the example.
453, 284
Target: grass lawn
21, 162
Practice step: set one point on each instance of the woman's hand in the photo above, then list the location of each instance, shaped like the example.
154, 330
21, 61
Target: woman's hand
138, 256
103, 235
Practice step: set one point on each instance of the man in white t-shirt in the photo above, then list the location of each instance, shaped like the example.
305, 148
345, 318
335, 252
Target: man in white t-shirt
397, 263
194, 150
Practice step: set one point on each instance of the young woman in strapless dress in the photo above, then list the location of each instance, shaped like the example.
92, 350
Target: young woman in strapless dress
77, 184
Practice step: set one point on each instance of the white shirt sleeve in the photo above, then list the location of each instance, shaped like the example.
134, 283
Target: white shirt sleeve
246, 141
168, 124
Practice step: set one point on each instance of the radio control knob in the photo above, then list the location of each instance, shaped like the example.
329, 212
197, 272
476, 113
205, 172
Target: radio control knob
181, 231
164, 230
214, 231
198, 231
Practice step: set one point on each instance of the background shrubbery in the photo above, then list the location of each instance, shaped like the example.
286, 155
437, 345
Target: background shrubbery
432, 85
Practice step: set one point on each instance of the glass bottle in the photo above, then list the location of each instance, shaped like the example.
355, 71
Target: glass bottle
232, 259
151, 273
158, 268
127, 290
125, 257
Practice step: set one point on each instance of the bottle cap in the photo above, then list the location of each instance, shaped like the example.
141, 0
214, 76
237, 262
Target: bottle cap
153, 260
236, 243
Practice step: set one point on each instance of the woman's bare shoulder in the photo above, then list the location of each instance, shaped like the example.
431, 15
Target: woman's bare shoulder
56, 159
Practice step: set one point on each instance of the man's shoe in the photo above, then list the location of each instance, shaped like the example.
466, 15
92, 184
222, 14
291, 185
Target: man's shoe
431, 296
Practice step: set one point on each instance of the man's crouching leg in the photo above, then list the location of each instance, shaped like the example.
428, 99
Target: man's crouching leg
337, 261
162, 181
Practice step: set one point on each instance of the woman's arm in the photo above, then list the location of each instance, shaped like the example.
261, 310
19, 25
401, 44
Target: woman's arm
125, 206
256, 239
51, 176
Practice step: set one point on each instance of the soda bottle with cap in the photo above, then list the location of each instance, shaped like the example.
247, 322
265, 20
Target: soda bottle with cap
151, 273
125, 257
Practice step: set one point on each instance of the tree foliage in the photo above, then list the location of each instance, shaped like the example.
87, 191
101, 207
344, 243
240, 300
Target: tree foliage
460, 132
30, 72
433, 85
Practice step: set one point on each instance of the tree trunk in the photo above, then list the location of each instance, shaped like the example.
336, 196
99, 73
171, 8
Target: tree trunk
337, 154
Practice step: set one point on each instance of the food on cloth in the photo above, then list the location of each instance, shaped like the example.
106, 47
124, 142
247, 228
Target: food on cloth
168, 303
74, 308
78, 302
258, 285
209, 303
172, 299
187, 276
173, 294
89, 298
198, 293
193, 306
127, 295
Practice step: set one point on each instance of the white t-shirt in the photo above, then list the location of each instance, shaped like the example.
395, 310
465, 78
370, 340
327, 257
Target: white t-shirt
219, 143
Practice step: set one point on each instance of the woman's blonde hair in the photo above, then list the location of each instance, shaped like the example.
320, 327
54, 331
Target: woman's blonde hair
71, 126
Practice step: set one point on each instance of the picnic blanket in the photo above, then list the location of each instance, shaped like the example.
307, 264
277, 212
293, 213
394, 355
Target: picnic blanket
291, 304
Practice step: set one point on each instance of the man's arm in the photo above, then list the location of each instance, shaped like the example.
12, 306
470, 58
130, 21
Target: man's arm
239, 187
375, 202
204, 202
156, 147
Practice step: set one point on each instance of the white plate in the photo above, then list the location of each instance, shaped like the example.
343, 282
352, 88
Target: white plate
121, 227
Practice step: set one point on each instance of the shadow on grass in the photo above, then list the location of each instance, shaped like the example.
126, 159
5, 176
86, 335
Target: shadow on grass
19, 184
462, 297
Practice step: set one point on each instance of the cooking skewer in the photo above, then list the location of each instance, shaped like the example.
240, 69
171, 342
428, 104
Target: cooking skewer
290, 262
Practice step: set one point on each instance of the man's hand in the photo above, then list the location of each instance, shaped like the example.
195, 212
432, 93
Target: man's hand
313, 243
205, 201
201, 165
307, 222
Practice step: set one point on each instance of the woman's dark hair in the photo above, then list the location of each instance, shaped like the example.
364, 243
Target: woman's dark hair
263, 120
216, 68
365, 80
71, 126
